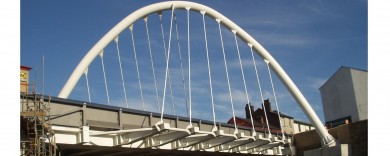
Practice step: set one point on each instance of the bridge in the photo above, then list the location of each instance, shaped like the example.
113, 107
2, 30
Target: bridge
97, 126
139, 123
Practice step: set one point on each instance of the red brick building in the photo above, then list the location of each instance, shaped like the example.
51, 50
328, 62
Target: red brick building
259, 119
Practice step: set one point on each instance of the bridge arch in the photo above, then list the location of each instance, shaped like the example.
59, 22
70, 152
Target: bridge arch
259, 49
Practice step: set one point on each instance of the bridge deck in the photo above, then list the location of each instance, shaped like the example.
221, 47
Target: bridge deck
97, 126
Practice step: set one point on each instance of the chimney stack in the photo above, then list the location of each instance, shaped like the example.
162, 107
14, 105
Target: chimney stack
247, 110
267, 105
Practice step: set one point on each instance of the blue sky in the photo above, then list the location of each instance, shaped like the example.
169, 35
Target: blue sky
309, 39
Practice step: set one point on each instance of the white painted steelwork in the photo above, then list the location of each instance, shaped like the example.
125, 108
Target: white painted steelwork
75, 123
163, 136
327, 139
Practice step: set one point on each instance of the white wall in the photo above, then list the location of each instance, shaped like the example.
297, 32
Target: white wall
345, 94
360, 83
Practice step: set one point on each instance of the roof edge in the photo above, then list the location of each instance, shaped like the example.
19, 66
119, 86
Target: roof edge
341, 67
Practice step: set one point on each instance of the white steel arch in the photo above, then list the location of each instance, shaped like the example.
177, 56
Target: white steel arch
327, 139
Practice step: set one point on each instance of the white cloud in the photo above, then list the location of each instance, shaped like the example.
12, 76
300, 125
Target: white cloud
315, 83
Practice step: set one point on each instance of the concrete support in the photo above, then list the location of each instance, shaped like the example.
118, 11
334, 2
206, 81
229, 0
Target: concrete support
338, 150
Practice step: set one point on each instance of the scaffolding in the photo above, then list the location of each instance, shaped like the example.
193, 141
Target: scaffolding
36, 136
